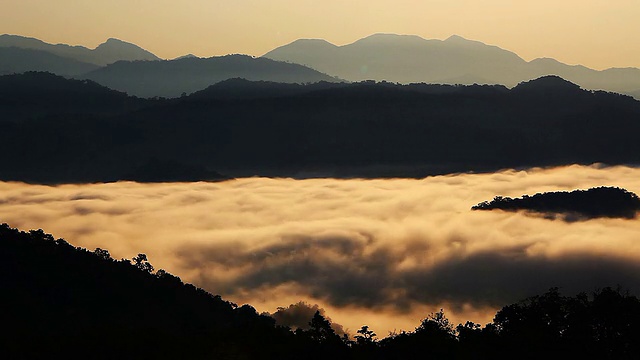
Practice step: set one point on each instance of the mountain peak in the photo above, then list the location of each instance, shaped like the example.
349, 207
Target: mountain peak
312, 43
545, 83
116, 42
456, 38
188, 56
114, 49
390, 37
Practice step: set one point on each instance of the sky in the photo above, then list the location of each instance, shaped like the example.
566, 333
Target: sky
595, 33
385, 253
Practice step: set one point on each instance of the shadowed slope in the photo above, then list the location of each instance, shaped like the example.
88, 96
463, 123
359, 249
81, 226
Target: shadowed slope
368, 129
65, 301
17, 60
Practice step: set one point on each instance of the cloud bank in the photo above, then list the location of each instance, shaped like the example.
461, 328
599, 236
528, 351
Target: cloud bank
384, 253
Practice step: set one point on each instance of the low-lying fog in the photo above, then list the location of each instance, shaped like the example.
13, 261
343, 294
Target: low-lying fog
385, 253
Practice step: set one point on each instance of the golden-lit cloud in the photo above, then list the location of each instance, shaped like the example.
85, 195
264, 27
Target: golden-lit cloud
379, 252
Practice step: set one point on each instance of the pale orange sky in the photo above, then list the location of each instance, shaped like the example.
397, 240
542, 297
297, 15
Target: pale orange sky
595, 33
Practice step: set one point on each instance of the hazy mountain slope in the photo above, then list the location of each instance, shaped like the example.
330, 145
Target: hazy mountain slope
173, 77
407, 59
615, 79
18, 60
403, 58
109, 52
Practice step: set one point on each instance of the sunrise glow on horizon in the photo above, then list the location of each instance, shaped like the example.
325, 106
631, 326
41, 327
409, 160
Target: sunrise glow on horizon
598, 34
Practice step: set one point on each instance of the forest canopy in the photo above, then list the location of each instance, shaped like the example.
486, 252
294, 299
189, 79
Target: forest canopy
609, 202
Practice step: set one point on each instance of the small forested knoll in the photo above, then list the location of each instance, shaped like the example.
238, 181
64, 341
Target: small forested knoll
611, 202
241, 128
59, 300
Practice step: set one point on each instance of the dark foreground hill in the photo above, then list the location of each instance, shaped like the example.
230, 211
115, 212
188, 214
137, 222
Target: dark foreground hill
611, 202
344, 130
35, 94
60, 301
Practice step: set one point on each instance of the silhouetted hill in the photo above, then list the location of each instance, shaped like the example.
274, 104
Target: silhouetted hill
239, 128
109, 52
598, 202
63, 301
15, 60
408, 59
35, 94
174, 77
244, 89
551, 83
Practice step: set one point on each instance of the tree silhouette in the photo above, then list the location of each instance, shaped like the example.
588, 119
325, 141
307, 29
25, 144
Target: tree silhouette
142, 263
320, 329
102, 254
365, 336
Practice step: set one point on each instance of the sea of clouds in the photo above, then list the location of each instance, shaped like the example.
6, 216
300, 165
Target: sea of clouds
383, 252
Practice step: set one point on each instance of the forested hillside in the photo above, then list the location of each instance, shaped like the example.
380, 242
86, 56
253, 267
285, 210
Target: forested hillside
60, 300
58, 130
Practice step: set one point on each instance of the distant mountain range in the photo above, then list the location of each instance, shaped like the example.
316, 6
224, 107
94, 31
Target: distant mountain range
172, 78
109, 52
126, 67
61, 130
411, 59
396, 58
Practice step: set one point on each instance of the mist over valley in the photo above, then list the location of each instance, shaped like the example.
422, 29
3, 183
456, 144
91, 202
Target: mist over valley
395, 197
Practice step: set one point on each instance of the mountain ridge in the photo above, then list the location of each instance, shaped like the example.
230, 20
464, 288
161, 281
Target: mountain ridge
106, 53
172, 78
366, 129
20, 60
410, 58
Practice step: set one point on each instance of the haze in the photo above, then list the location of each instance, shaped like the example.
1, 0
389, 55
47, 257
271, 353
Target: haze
381, 252
598, 33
